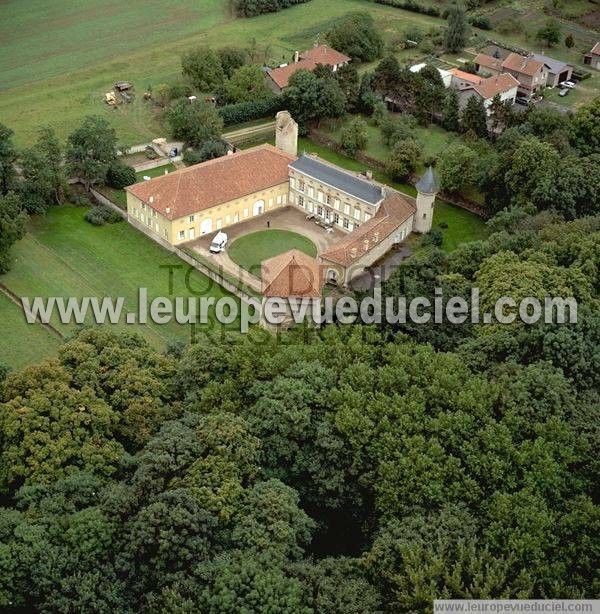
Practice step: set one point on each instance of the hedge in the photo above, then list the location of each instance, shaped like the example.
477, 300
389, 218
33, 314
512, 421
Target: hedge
252, 8
411, 5
247, 111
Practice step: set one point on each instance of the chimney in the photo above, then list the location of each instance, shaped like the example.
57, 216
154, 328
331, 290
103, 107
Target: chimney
151, 199
353, 252
168, 210
296, 56
366, 243
376, 237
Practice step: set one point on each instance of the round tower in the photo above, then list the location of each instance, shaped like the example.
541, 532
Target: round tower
286, 133
427, 188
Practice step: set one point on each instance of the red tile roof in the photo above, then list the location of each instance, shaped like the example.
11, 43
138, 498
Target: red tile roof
292, 273
595, 49
392, 213
217, 181
487, 61
322, 54
465, 76
499, 84
520, 64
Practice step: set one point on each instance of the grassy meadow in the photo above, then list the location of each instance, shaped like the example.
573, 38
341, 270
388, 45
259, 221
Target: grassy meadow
81, 47
57, 59
63, 255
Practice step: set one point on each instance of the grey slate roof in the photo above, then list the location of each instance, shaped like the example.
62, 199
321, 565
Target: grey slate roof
428, 183
359, 188
555, 66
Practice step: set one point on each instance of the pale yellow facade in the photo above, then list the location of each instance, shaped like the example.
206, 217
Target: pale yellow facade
344, 211
204, 222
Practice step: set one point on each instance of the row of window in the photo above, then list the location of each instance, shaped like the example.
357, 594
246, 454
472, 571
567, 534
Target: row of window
327, 199
206, 224
327, 214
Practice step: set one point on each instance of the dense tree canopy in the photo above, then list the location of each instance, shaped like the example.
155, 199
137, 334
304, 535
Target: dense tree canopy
91, 150
194, 122
352, 469
357, 37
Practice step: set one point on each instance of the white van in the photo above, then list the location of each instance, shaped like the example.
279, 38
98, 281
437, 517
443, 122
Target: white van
218, 243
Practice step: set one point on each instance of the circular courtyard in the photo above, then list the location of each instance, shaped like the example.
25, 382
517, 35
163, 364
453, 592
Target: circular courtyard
248, 251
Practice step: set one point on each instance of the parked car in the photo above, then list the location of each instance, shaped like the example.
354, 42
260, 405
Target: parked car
564, 92
521, 100
218, 243
569, 84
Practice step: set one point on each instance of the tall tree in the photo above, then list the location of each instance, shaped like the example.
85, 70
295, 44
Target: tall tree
357, 36
585, 132
8, 157
387, 74
354, 136
195, 122
232, 58
245, 85
474, 117
91, 150
310, 98
203, 69
550, 33
44, 181
451, 111
501, 113
403, 159
457, 29
456, 167
349, 82
12, 227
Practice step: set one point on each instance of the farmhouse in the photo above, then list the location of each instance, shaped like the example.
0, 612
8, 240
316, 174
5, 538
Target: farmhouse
278, 78
531, 74
503, 85
179, 207
487, 65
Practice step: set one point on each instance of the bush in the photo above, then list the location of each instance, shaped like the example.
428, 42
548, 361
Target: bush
208, 151
120, 175
80, 200
434, 238
483, 23
99, 215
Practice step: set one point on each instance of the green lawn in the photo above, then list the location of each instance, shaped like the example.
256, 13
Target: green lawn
251, 249
463, 226
22, 343
62, 255
120, 198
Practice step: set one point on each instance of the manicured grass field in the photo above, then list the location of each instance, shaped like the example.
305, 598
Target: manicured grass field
22, 343
463, 226
62, 255
250, 250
